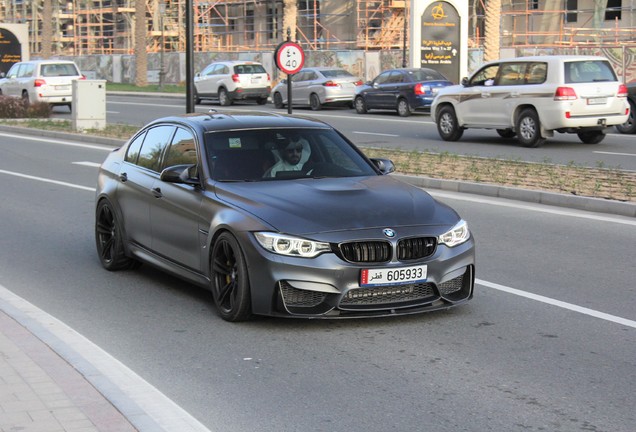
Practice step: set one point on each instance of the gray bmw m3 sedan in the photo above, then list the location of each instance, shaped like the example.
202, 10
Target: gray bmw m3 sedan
281, 216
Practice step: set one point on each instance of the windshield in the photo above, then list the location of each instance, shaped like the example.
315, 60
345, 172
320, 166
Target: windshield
281, 154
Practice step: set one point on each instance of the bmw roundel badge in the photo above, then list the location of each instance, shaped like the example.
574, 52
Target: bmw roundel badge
388, 232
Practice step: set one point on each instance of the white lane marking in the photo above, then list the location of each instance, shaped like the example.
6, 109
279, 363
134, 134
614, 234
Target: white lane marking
45, 180
62, 142
559, 303
615, 154
147, 408
545, 208
89, 164
374, 133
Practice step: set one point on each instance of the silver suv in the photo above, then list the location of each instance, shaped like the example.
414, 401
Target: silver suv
232, 80
532, 97
41, 81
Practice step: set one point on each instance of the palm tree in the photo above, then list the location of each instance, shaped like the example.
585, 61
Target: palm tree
141, 57
492, 35
47, 28
290, 15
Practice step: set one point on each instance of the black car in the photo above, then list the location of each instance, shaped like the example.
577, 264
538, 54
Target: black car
279, 215
629, 127
403, 90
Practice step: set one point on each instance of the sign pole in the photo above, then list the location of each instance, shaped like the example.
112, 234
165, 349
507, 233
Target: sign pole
290, 59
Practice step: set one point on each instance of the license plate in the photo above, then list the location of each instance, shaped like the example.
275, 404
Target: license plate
596, 101
392, 276
256, 80
62, 87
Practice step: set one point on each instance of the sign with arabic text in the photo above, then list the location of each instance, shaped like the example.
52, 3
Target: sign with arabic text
440, 49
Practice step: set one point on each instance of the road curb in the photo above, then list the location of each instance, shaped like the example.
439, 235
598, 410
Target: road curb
598, 205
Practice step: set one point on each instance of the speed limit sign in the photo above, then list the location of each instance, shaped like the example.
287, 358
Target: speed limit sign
289, 57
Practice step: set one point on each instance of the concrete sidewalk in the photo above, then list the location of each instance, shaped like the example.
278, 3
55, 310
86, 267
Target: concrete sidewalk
53, 379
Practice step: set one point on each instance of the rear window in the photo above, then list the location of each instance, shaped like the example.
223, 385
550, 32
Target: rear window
427, 75
588, 71
336, 73
61, 69
249, 69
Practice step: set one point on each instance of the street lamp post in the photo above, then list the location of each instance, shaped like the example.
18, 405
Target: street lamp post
162, 71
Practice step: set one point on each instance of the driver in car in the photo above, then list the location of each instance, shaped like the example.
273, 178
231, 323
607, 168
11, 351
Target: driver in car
294, 153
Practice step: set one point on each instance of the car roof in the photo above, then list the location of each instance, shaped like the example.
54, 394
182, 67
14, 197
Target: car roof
550, 58
234, 120
48, 61
235, 62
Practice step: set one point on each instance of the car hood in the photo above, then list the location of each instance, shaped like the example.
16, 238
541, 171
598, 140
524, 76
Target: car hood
333, 204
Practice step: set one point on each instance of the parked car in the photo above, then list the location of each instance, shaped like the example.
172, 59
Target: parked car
194, 195
49, 81
316, 87
228, 81
403, 90
533, 97
629, 127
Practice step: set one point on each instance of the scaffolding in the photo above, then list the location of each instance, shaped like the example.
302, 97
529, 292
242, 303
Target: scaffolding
88, 27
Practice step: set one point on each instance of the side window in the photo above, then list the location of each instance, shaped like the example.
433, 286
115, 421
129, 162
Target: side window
133, 149
485, 76
397, 77
536, 73
182, 150
13, 72
26, 70
156, 141
300, 76
383, 78
512, 74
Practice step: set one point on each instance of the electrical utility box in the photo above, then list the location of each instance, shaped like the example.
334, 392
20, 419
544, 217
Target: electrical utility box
89, 105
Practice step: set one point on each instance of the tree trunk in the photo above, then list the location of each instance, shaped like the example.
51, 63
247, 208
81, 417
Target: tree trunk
493, 24
47, 29
290, 16
141, 57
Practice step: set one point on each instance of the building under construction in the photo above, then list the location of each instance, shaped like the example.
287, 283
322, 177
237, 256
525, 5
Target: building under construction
86, 27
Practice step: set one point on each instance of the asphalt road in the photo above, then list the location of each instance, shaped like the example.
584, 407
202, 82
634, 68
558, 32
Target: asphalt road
548, 343
386, 129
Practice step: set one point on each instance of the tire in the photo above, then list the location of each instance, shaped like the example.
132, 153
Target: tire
109, 239
629, 127
360, 105
261, 101
314, 102
224, 98
197, 99
591, 137
278, 101
447, 124
403, 109
506, 133
25, 97
529, 129
229, 279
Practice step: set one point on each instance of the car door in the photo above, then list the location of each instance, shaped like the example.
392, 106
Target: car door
205, 79
377, 93
137, 177
175, 211
477, 103
299, 88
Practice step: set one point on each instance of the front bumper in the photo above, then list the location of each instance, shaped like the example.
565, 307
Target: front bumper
329, 287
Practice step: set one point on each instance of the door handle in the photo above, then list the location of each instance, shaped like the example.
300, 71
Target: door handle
157, 192
123, 177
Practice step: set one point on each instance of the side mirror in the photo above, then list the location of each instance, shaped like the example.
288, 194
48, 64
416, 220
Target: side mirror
3, 75
465, 82
385, 166
376, 85
179, 174
283, 81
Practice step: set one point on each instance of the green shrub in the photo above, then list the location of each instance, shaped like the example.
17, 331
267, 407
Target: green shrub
11, 107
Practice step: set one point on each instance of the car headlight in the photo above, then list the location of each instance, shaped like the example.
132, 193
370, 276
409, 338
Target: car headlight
456, 235
291, 246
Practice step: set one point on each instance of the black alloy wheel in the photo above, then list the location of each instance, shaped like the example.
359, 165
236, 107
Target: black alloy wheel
230, 282
109, 239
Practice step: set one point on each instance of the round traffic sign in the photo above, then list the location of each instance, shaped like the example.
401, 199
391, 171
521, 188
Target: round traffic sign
289, 57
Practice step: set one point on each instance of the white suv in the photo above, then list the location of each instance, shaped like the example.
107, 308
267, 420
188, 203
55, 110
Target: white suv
42, 81
232, 80
532, 97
